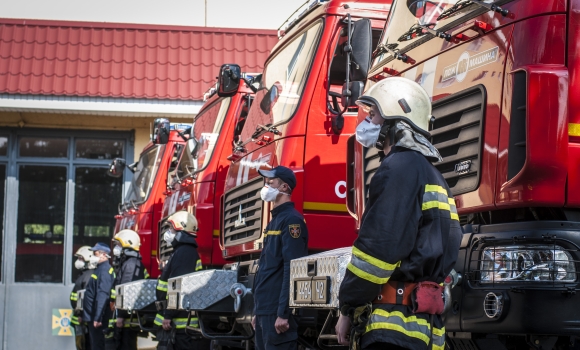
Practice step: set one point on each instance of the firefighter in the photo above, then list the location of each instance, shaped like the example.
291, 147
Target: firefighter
286, 238
128, 268
179, 231
96, 310
83, 255
410, 234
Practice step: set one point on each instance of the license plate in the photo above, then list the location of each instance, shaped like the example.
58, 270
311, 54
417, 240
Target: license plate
172, 300
311, 290
119, 302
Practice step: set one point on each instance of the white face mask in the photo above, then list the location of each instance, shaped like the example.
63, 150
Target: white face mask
367, 133
269, 194
168, 237
94, 259
79, 264
117, 250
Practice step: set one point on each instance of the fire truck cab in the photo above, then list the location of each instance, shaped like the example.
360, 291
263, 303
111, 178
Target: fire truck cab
502, 78
141, 208
197, 182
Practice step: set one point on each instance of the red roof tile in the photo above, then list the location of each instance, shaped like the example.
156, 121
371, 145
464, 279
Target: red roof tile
122, 60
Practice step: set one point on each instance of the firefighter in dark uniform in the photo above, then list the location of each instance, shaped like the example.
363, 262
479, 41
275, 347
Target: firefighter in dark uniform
128, 268
96, 308
410, 234
286, 238
180, 232
83, 255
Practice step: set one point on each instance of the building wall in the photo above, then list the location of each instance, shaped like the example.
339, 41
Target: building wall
141, 125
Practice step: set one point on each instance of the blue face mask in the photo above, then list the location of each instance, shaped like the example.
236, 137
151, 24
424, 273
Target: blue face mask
367, 133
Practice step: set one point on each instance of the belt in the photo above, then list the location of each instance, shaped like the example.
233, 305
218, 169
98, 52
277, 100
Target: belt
395, 292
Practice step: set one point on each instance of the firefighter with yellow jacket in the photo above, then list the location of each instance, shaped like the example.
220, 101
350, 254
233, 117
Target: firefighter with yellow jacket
410, 234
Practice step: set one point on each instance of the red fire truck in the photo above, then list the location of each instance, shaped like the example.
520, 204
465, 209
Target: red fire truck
197, 182
141, 209
502, 79
298, 119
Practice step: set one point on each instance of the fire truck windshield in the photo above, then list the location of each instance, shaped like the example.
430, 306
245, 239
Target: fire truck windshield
407, 15
283, 81
206, 129
144, 175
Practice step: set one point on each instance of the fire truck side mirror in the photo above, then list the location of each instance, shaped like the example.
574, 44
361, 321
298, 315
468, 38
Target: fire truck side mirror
160, 132
117, 167
193, 147
229, 80
351, 92
361, 41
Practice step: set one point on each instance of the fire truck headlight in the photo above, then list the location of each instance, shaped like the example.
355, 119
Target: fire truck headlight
526, 263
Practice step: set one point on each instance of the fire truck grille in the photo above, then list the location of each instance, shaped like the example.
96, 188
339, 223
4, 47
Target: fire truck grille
242, 213
371, 164
457, 134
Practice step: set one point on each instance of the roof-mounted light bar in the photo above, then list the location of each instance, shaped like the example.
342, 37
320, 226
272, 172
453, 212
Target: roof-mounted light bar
297, 15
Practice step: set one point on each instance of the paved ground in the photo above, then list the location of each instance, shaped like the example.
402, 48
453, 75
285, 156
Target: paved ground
146, 343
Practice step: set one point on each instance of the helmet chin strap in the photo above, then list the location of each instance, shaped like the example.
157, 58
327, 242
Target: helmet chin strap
385, 131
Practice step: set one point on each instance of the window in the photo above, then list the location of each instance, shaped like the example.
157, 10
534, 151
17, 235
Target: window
40, 225
99, 148
2, 193
283, 81
177, 150
3, 146
96, 198
43, 147
206, 129
145, 174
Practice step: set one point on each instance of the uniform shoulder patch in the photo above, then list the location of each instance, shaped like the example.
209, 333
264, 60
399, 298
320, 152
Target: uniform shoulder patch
294, 230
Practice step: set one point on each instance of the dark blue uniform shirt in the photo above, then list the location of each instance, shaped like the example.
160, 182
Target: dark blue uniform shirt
98, 294
286, 238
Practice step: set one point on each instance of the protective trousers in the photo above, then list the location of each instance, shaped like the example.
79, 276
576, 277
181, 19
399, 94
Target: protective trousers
178, 340
82, 340
268, 339
97, 337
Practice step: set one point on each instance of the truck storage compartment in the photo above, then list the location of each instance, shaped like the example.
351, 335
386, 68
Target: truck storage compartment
136, 295
200, 290
315, 279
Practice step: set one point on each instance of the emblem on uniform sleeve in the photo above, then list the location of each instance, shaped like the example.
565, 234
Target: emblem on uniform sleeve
294, 230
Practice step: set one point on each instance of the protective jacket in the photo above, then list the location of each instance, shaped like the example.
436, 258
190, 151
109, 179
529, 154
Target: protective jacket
183, 260
129, 269
98, 293
409, 232
286, 238
80, 284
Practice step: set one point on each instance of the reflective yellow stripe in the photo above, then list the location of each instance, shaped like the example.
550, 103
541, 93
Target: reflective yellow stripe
273, 233
397, 328
73, 296
435, 204
216, 233
94, 276
374, 261
113, 294
573, 129
180, 323
198, 265
111, 270
162, 285
366, 276
325, 206
158, 320
435, 188
146, 273
451, 201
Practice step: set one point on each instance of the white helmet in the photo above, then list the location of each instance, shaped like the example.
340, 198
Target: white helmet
128, 239
183, 221
85, 253
399, 98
